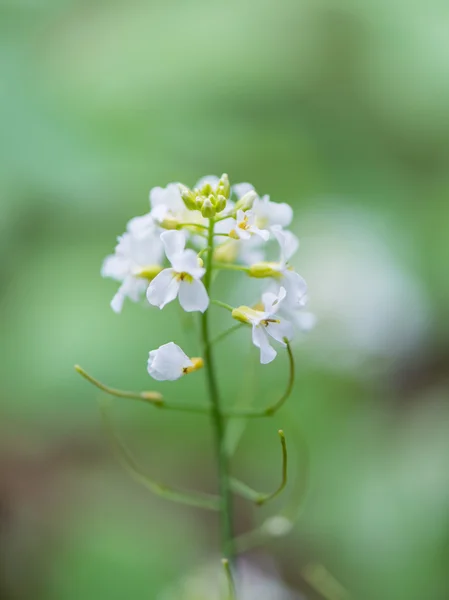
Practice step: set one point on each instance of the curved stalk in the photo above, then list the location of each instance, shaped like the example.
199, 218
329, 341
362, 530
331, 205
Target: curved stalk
197, 499
258, 497
270, 410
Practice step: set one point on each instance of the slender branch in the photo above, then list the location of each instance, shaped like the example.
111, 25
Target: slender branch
257, 497
224, 334
222, 305
153, 398
230, 267
198, 225
230, 581
197, 499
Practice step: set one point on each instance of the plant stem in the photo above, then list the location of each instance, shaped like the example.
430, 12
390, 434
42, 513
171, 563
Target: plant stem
218, 421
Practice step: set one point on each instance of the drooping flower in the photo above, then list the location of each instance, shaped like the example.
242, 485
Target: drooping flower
136, 261
169, 362
266, 324
182, 280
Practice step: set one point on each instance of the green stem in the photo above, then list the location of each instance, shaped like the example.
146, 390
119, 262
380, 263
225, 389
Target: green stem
230, 267
222, 305
218, 421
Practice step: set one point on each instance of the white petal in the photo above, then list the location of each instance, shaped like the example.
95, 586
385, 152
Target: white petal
287, 240
116, 267
131, 288
260, 339
295, 286
157, 196
263, 233
174, 243
117, 302
273, 301
193, 296
240, 189
187, 262
141, 225
279, 331
167, 362
163, 289
280, 214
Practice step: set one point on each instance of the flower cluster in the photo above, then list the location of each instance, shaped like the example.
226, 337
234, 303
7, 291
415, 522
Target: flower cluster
170, 253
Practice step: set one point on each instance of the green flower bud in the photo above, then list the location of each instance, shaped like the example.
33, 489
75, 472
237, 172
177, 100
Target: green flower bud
206, 190
208, 209
246, 201
221, 203
261, 270
188, 197
224, 187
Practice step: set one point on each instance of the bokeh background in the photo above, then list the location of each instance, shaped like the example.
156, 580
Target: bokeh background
337, 106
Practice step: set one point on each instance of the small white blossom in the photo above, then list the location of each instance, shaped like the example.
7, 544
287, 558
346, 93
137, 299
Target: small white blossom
182, 280
267, 213
136, 259
266, 324
294, 284
244, 226
169, 362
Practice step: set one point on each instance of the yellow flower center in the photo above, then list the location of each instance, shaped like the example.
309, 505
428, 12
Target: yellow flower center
183, 277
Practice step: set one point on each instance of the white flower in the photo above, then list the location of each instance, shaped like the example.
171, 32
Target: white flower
136, 260
266, 213
269, 214
244, 226
169, 362
294, 284
266, 324
183, 279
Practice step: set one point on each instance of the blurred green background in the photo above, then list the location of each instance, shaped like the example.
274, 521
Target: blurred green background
337, 106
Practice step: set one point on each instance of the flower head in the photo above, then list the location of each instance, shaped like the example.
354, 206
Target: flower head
182, 280
136, 260
169, 362
266, 323
244, 226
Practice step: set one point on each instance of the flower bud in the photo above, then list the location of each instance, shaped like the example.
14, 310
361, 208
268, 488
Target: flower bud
244, 314
208, 209
261, 270
223, 186
206, 190
226, 252
149, 272
188, 197
246, 201
221, 203
169, 223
